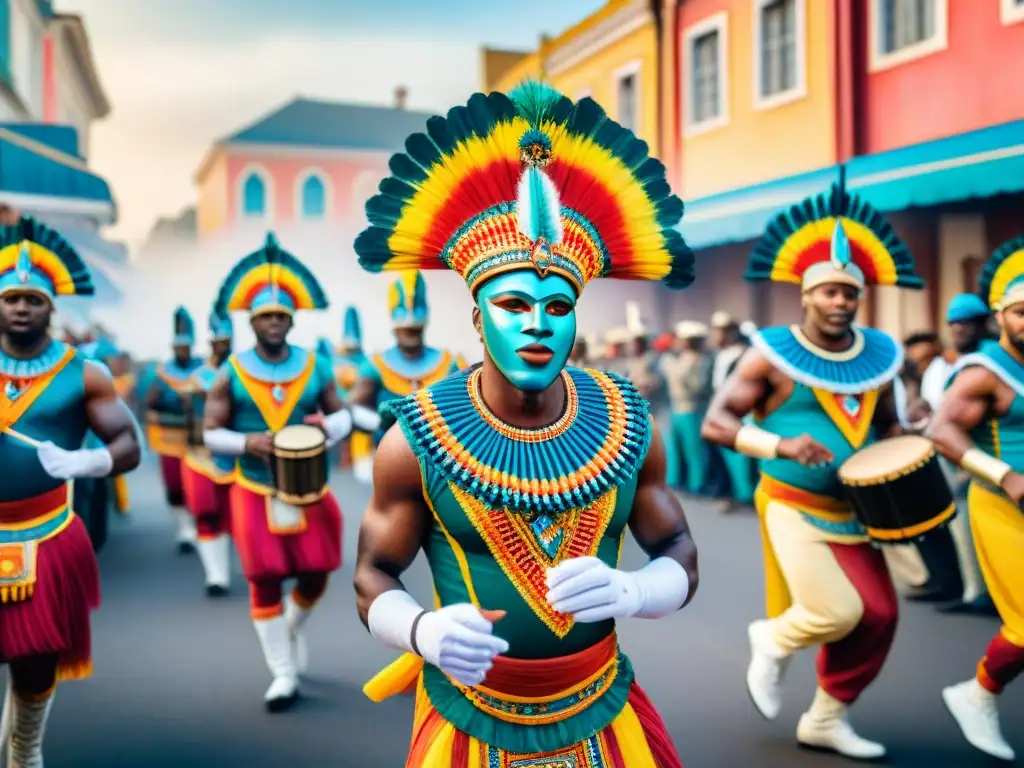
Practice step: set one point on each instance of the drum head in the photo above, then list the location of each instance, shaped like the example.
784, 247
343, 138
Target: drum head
885, 458
299, 437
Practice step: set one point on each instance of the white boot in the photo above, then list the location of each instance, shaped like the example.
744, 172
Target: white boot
362, 469
296, 616
187, 534
215, 555
824, 726
975, 711
25, 749
768, 665
277, 650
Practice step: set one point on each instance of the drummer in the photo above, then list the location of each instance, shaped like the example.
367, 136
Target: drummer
167, 434
980, 427
820, 391
207, 479
258, 392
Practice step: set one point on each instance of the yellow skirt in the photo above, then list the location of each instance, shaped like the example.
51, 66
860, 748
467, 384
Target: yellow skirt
998, 529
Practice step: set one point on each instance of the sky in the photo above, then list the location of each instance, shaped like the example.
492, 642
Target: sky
182, 73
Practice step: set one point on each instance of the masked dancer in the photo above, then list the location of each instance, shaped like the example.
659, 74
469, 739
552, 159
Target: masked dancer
256, 394
980, 427
408, 365
166, 400
52, 396
820, 391
519, 477
207, 477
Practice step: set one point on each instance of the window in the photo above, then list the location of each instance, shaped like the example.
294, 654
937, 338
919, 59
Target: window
779, 64
5, 40
627, 96
705, 74
254, 196
314, 197
1011, 11
904, 30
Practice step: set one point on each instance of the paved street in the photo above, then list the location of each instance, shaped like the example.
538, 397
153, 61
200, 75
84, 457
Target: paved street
179, 679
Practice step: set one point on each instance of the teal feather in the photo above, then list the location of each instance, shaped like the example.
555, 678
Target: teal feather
34, 231
992, 265
840, 249
537, 102
325, 349
539, 212
270, 253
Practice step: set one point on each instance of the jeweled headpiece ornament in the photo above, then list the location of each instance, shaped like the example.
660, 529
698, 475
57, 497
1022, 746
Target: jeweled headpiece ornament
833, 237
34, 257
270, 280
527, 180
1001, 283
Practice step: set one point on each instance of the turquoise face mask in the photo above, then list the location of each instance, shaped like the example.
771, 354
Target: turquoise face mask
529, 326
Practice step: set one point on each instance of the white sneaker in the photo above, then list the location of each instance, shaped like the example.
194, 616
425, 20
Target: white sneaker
362, 470
825, 726
275, 640
768, 665
975, 711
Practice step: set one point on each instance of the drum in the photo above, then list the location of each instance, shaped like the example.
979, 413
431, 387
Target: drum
300, 464
897, 489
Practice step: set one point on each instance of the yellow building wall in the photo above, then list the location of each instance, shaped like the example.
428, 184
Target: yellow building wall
212, 202
530, 67
758, 145
596, 76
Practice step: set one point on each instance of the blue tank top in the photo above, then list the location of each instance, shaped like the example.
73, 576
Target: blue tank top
52, 386
266, 397
171, 377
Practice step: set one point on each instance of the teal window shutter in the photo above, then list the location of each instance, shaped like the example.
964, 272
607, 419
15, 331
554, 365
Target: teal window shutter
5, 40
254, 196
314, 198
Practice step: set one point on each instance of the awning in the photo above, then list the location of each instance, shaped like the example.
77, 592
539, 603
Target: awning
743, 214
971, 165
39, 177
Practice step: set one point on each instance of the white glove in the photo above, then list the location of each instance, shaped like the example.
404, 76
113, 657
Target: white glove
456, 639
224, 442
591, 591
362, 469
337, 426
85, 462
365, 419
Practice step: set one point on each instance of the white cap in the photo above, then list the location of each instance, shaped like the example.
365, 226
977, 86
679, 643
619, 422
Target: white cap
721, 319
748, 328
691, 329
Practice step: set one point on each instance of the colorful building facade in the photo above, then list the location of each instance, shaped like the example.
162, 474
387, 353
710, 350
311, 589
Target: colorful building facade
306, 163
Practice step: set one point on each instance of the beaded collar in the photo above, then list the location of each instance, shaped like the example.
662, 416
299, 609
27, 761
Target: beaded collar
19, 368
873, 361
597, 444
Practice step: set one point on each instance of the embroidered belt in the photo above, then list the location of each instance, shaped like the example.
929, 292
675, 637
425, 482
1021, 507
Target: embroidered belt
827, 508
543, 691
23, 524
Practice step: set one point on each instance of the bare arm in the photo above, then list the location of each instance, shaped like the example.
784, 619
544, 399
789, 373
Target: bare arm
747, 387
394, 525
217, 411
365, 392
886, 418
330, 400
111, 420
965, 405
657, 521
153, 394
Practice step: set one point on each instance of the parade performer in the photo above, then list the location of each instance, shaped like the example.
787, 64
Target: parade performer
256, 394
408, 365
51, 397
980, 427
519, 477
167, 433
206, 478
348, 362
820, 391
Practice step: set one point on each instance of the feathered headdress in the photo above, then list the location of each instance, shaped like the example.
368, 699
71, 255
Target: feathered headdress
221, 327
1002, 278
34, 257
184, 329
270, 280
832, 237
407, 300
324, 349
527, 180
351, 330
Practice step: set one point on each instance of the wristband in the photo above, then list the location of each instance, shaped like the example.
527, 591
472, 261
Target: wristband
756, 442
985, 466
412, 633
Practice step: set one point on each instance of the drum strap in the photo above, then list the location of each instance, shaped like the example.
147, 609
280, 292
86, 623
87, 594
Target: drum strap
275, 414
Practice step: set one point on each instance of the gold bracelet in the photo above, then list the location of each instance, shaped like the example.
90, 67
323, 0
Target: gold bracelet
985, 466
757, 442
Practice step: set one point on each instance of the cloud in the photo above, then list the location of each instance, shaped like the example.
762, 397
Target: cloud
172, 102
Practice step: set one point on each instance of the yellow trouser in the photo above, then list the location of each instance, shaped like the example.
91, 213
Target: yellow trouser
998, 529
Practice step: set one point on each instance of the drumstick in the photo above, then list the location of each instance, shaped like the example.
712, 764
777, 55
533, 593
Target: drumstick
24, 438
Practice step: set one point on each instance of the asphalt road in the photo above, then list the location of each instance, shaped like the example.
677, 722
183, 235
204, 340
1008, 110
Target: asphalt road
179, 679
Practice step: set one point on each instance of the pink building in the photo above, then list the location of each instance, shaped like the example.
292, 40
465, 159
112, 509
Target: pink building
306, 162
